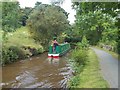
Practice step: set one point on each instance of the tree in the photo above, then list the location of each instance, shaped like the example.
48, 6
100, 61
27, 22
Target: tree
45, 21
10, 16
98, 21
111, 8
92, 25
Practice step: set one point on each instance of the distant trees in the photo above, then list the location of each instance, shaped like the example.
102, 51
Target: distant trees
25, 12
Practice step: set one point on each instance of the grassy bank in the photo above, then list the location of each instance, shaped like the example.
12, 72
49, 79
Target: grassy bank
19, 45
89, 76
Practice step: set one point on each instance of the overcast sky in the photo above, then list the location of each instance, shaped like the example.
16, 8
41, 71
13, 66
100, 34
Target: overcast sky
66, 5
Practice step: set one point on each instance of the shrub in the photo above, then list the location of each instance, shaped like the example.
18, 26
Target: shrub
79, 56
8, 56
12, 54
40, 50
20, 52
83, 44
78, 59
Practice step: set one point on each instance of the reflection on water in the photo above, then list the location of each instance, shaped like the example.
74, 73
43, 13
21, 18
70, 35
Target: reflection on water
53, 61
37, 72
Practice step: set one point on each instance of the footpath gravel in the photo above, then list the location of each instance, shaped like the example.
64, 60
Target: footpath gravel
109, 67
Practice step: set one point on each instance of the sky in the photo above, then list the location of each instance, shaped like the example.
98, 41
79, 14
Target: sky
66, 6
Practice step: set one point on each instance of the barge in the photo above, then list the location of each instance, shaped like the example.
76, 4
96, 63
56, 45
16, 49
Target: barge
60, 50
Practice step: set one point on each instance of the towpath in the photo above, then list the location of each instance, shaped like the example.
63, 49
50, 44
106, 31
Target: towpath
109, 67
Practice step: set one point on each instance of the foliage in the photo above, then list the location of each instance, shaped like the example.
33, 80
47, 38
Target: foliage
84, 44
8, 56
89, 76
78, 61
10, 16
13, 53
79, 56
45, 21
99, 22
19, 45
92, 25
111, 8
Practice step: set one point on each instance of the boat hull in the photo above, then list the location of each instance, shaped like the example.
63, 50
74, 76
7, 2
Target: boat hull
53, 55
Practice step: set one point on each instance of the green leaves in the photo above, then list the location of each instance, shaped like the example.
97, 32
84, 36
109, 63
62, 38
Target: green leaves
10, 16
98, 22
93, 24
45, 20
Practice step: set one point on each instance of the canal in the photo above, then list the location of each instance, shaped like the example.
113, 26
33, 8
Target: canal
37, 72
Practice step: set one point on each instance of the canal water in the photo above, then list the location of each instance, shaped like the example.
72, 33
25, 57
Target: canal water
37, 72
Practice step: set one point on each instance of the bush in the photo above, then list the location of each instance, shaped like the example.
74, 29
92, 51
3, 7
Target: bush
22, 54
79, 56
32, 50
39, 50
12, 54
8, 56
83, 44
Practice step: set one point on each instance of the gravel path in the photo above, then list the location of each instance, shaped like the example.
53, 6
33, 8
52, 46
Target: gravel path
109, 67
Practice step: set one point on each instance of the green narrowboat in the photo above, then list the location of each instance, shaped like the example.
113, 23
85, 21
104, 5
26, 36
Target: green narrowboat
59, 51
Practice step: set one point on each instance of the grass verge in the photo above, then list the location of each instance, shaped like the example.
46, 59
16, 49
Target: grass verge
90, 76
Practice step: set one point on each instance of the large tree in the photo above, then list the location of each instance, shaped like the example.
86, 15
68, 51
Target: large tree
111, 8
45, 21
92, 18
92, 25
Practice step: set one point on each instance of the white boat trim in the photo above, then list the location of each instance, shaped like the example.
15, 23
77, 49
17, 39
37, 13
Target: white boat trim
53, 54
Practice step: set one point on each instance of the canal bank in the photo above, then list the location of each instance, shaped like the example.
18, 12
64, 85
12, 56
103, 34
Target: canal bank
87, 75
